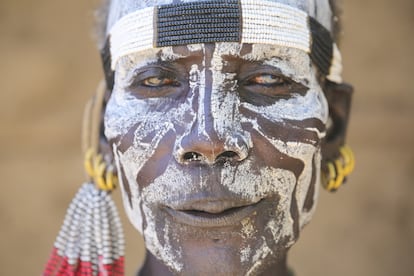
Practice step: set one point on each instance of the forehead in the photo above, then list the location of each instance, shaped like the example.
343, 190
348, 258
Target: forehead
245, 51
290, 61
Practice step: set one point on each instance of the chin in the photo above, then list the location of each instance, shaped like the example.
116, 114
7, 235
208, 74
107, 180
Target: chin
252, 246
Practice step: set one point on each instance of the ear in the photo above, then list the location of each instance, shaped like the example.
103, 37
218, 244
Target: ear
339, 99
93, 136
104, 146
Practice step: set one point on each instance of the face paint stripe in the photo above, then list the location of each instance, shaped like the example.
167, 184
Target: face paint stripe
189, 124
297, 108
146, 176
309, 200
128, 137
122, 177
144, 222
294, 213
206, 99
276, 131
273, 157
140, 135
308, 124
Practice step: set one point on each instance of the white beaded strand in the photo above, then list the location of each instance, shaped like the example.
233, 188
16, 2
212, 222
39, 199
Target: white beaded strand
335, 71
132, 33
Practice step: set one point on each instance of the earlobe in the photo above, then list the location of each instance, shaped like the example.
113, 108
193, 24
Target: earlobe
339, 98
104, 146
94, 142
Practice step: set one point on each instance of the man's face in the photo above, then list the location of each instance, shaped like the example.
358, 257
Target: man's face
217, 148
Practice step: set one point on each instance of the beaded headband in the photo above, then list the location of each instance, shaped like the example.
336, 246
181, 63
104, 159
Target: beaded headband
243, 21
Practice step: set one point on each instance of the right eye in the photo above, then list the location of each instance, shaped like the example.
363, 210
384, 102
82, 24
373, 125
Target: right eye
156, 81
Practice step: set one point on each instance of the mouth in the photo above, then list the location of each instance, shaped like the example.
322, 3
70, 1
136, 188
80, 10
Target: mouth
200, 217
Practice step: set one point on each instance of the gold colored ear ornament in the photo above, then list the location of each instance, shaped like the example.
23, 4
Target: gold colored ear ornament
91, 239
103, 175
336, 172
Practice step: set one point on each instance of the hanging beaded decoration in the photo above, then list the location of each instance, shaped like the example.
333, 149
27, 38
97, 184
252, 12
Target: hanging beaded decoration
242, 21
91, 240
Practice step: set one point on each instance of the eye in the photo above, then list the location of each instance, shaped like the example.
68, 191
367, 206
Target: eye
266, 87
159, 82
267, 80
156, 81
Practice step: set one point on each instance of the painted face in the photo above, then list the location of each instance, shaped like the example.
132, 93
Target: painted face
218, 151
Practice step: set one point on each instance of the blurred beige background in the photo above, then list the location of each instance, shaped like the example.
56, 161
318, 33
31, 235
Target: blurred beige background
49, 68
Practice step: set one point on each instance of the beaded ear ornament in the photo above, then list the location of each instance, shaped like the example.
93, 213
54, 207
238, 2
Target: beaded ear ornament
91, 240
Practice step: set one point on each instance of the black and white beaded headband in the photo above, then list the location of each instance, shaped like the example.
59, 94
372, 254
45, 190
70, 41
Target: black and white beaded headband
243, 21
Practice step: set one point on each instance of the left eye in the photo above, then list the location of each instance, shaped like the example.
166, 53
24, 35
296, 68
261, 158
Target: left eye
267, 80
158, 82
265, 88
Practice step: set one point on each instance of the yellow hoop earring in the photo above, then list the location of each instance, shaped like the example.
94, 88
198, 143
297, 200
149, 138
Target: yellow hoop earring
103, 175
349, 159
336, 171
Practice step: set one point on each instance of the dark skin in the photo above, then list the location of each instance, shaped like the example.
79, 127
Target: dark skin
152, 266
338, 97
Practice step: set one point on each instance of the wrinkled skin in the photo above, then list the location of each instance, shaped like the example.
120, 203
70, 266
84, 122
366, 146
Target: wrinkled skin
218, 150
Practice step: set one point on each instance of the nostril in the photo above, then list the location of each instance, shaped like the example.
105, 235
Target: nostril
225, 156
228, 155
192, 156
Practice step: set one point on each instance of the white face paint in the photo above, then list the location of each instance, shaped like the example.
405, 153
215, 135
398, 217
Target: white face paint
168, 140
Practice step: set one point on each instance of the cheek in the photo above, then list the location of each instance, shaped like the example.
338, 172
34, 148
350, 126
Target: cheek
145, 217
130, 193
142, 135
130, 130
287, 136
122, 113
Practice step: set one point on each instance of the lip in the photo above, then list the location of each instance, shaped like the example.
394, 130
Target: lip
225, 217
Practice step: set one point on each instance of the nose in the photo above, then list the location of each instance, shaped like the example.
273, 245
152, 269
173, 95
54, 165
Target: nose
209, 148
214, 134
211, 137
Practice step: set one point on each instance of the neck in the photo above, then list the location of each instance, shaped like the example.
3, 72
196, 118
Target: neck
153, 267
278, 268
